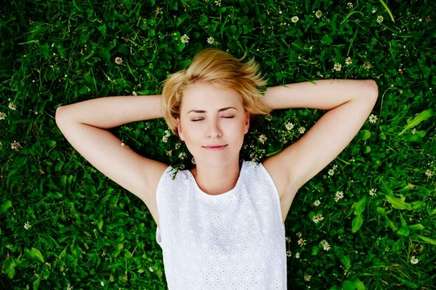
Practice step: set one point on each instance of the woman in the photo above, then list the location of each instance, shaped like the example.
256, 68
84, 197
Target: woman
220, 224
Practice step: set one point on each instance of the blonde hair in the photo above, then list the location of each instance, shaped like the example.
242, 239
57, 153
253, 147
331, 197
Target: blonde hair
214, 66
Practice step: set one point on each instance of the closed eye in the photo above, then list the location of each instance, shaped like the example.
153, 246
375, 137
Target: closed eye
195, 120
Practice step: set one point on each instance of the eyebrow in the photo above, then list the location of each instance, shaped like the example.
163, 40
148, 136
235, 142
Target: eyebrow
203, 111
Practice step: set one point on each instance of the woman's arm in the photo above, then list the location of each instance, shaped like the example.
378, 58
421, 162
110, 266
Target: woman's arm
320, 94
108, 112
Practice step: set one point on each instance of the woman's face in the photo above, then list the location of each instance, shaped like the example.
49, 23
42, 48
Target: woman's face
212, 115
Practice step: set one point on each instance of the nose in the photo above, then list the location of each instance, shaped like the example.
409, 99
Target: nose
213, 129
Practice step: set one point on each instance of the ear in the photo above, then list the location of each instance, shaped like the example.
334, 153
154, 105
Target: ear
247, 122
179, 130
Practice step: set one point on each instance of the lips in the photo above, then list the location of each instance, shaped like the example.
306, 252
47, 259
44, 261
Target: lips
215, 146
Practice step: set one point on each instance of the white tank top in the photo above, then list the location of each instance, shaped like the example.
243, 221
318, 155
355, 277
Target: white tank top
234, 240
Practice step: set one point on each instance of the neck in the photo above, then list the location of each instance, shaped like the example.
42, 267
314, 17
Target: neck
218, 179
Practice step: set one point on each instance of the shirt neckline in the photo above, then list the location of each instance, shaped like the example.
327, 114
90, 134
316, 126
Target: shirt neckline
215, 197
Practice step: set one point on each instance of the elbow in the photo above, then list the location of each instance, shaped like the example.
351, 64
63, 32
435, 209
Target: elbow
373, 88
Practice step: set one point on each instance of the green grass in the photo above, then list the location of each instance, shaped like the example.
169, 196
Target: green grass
63, 224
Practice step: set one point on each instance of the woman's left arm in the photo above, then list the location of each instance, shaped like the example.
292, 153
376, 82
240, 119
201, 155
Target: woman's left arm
319, 94
349, 103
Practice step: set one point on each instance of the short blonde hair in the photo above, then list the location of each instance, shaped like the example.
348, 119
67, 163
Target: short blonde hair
214, 66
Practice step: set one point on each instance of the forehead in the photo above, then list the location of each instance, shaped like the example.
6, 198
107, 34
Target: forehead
209, 96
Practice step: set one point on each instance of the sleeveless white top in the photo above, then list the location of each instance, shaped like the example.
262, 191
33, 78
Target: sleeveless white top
234, 240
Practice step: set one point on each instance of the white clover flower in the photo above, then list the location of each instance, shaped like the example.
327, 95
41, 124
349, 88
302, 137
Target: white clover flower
318, 13
307, 277
331, 172
429, 173
317, 218
165, 139
379, 19
12, 106
301, 242
178, 144
301, 130
297, 255
289, 126
349, 5
337, 67
348, 61
182, 155
15, 145
325, 245
295, 19
218, 3
316, 203
169, 152
2, 115
262, 138
372, 118
339, 195
27, 225
414, 260
184, 38
210, 40
367, 65
372, 191
118, 60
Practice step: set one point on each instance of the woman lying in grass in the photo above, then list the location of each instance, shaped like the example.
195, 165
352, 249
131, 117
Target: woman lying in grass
221, 223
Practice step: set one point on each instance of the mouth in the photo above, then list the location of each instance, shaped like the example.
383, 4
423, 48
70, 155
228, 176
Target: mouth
215, 147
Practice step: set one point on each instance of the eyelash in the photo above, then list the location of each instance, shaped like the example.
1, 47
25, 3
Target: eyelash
203, 118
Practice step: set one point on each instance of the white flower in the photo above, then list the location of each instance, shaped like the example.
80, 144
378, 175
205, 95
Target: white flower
169, 152
182, 155
372, 191
301, 242
316, 203
12, 106
379, 19
27, 225
337, 67
210, 40
350, 5
218, 3
165, 139
262, 138
429, 173
348, 61
317, 218
414, 260
325, 245
299, 234
288, 253
372, 118
297, 255
2, 116
295, 19
339, 195
118, 60
15, 145
318, 13
301, 130
367, 65
184, 38
307, 277
331, 172
289, 126
69, 287
374, 10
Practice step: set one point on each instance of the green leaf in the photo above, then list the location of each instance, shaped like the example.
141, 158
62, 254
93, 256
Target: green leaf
9, 267
326, 39
5, 206
345, 260
366, 134
355, 284
428, 240
356, 223
416, 227
359, 206
424, 115
35, 254
397, 203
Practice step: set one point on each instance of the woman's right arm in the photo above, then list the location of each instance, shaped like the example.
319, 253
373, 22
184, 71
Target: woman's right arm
108, 112
85, 124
